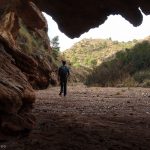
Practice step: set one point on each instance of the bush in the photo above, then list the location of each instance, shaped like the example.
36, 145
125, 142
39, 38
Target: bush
142, 75
146, 83
129, 62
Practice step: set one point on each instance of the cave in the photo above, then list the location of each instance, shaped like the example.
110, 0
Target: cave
24, 44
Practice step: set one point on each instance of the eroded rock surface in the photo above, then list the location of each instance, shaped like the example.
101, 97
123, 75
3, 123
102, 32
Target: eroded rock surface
29, 36
77, 17
16, 96
25, 63
25, 54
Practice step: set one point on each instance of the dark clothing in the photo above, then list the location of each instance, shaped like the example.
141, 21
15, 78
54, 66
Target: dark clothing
63, 87
63, 74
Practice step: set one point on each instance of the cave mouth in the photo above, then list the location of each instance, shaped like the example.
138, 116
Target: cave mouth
26, 64
109, 29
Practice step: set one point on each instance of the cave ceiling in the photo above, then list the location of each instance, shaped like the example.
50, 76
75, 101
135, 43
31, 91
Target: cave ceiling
78, 16
75, 17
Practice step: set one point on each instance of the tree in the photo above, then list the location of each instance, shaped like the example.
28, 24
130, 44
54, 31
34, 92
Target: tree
93, 63
55, 46
55, 43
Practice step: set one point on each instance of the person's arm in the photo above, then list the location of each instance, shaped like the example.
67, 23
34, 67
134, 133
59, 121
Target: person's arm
58, 73
68, 72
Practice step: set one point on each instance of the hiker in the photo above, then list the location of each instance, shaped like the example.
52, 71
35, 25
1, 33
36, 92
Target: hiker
63, 74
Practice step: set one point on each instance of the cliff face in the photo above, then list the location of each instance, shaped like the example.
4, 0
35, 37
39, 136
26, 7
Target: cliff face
25, 63
25, 29
16, 95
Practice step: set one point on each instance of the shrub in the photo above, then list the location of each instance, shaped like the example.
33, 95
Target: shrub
142, 75
128, 62
146, 83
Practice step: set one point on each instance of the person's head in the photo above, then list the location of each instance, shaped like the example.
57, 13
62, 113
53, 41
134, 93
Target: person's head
63, 62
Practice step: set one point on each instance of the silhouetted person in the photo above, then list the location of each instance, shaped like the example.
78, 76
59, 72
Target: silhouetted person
63, 74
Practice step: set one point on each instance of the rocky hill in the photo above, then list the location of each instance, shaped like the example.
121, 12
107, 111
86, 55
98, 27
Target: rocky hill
128, 68
92, 52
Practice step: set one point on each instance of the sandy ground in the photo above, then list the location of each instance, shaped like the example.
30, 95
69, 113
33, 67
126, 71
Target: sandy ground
88, 119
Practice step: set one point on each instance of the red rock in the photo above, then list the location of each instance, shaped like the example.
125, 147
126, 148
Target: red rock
24, 63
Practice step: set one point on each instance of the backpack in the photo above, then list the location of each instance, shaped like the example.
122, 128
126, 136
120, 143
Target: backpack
63, 71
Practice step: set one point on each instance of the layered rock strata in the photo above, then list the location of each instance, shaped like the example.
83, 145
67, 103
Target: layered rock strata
25, 63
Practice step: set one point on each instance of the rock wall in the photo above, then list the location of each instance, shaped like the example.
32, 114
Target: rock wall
16, 95
29, 36
25, 63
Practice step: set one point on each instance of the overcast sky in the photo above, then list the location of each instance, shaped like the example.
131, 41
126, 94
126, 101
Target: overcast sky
115, 27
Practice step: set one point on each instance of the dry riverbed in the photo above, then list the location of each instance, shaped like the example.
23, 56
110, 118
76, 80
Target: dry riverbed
92, 118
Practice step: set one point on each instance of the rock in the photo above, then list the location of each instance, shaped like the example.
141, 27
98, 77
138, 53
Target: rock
16, 124
24, 63
28, 40
79, 16
16, 94
25, 53
75, 17
128, 102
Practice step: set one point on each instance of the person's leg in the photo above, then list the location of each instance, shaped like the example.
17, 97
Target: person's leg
61, 87
65, 88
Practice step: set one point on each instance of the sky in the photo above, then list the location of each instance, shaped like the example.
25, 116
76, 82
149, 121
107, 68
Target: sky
115, 27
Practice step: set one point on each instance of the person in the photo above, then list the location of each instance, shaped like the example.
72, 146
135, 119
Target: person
63, 74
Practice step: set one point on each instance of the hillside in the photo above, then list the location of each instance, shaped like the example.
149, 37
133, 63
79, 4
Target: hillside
128, 68
92, 52
111, 63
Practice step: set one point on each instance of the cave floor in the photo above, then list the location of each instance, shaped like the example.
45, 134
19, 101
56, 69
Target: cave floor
89, 118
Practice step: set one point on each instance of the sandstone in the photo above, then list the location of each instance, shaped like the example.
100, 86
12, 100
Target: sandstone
15, 94
24, 63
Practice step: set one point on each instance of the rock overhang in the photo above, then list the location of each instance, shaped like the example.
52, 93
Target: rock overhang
76, 17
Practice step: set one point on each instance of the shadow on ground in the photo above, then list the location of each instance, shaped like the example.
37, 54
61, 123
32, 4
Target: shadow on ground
88, 119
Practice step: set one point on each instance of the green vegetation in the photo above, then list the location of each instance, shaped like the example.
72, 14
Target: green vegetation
55, 47
92, 52
34, 43
111, 63
29, 41
95, 61
129, 67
